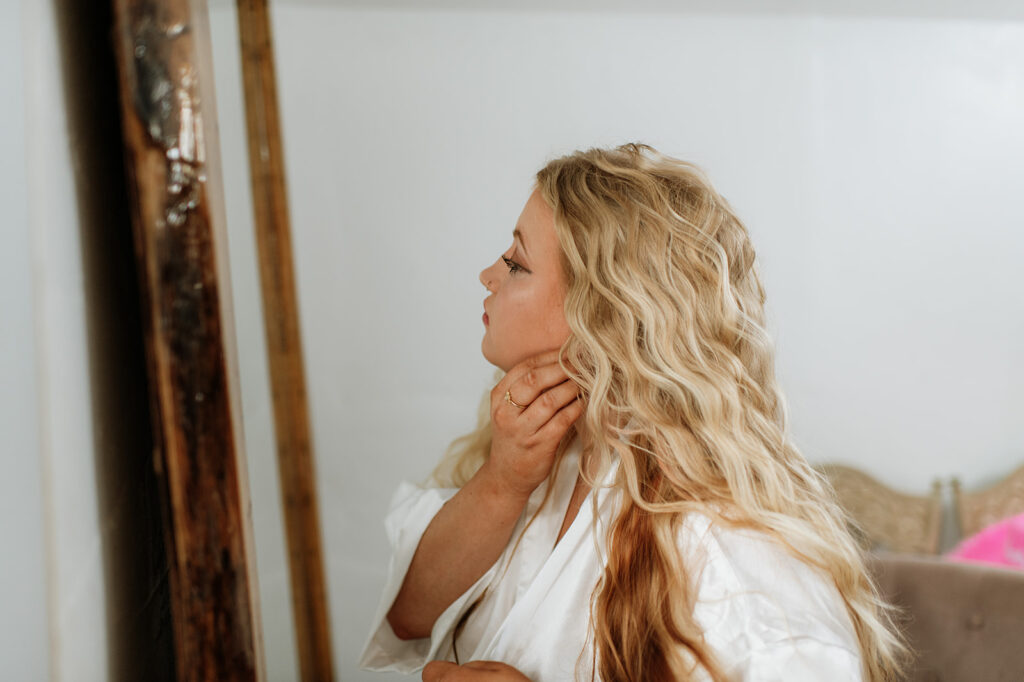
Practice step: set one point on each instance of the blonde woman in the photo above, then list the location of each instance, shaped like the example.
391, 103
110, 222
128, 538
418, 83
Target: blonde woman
630, 507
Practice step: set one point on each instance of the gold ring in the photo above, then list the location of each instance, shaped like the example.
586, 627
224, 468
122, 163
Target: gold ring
508, 399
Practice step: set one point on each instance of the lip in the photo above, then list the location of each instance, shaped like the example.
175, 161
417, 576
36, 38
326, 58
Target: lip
486, 320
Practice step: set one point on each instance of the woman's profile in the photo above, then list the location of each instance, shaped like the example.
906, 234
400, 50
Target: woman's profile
630, 506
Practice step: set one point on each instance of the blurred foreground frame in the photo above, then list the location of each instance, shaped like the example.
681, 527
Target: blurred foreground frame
164, 65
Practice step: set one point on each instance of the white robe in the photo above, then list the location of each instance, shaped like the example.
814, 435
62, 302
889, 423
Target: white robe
765, 614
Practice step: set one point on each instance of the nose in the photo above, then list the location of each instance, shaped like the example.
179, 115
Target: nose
487, 277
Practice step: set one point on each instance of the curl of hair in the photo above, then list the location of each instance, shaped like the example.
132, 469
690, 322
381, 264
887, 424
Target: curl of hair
668, 344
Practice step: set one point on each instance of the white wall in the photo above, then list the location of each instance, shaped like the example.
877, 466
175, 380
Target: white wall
24, 652
877, 163
75, 604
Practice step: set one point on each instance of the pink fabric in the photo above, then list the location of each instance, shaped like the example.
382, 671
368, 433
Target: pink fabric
1001, 543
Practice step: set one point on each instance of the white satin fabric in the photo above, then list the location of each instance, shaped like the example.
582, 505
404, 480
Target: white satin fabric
767, 615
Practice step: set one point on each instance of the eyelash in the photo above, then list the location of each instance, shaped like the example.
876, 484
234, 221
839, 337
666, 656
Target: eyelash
513, 267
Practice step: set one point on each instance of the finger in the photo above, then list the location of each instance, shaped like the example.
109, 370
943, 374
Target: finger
549, 402
536, 381
435, 671
532, 362
492, 666
560, 421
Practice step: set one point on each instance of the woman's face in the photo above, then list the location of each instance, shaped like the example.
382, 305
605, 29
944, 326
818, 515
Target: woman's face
524, 312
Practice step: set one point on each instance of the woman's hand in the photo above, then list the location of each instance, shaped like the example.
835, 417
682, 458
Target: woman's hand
470, 532
474, 671
525, 439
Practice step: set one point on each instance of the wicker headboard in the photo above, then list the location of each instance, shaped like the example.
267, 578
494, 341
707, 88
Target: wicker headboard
885, 518
976, 510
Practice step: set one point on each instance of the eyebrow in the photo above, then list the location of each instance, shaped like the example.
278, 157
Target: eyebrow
517, 233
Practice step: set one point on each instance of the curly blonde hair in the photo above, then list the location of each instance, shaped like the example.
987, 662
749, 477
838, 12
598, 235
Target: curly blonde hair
668, 344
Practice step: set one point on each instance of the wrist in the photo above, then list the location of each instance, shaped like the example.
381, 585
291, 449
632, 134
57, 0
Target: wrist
499, 491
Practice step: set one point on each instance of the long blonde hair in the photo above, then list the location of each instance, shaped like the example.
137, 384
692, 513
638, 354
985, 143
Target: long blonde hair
668, 344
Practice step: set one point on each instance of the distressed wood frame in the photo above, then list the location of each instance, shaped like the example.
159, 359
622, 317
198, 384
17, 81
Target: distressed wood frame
176, 196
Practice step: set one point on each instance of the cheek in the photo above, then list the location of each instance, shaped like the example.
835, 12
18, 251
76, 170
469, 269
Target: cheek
559, 327
548, 313
535, 308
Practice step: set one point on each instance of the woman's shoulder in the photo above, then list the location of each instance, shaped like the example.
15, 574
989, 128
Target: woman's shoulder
746, 558
755, 598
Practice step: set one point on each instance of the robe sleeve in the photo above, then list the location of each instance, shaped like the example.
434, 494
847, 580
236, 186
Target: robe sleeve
411, 511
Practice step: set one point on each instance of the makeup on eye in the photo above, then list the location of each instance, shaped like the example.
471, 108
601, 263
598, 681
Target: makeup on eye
513, 267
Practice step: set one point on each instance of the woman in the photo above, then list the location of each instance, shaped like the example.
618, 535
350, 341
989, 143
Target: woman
630, 507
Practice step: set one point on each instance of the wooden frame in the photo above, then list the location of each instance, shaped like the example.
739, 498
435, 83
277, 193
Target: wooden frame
165, 73
284, 344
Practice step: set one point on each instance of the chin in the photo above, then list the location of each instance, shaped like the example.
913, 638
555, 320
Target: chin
484, 350
503, 366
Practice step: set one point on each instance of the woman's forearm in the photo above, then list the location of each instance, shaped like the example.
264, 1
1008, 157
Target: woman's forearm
464, 539
471, 530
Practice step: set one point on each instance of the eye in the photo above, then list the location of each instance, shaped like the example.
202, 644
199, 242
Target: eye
513, 267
